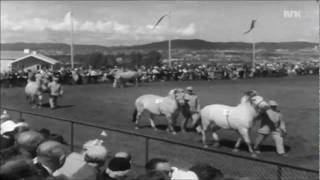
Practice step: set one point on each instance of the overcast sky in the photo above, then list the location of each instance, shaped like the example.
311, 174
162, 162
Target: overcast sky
131, 22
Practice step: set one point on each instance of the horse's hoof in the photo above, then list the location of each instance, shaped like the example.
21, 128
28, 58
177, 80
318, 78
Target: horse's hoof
155, 129
235, 150
205, 146
174, 133
254, 155
136, 127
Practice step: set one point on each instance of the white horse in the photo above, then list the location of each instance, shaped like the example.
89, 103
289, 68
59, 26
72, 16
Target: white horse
239, 118
121, 77
169, 106
34, 91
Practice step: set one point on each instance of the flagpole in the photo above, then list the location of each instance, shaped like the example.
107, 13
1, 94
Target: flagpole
253, 54
169, 41
71, 44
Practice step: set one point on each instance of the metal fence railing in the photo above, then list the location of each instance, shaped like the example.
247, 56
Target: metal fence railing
229, 163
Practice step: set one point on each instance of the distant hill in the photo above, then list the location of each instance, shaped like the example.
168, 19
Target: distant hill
192, 44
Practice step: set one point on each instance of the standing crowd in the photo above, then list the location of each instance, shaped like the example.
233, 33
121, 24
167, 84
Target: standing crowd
177, 72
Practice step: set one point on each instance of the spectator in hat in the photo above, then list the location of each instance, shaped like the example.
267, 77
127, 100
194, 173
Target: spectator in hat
191, 111
25, 146
271, 123
85, 165
56, 90
7, 134
118, 169
51, 156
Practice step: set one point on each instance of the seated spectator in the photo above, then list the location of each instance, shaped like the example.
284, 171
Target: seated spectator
52, 136
153, 175
179, 174
84, 165
207, 172
122, 154
118, 169
25, 146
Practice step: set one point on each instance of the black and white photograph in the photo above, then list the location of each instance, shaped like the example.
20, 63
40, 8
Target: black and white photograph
159, 90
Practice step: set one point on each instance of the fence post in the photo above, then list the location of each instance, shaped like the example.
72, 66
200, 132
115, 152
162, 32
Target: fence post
71, 135
147, 149
20, 115
279, 172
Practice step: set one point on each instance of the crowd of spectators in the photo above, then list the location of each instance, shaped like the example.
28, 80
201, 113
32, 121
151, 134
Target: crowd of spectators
30, 154
177, 72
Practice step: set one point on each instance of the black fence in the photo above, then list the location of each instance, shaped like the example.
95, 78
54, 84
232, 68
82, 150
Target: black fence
143, 147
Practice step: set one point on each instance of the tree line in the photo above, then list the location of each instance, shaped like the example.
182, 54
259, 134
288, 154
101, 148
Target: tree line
99, 60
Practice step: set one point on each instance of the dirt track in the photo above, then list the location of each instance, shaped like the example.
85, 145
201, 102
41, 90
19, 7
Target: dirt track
101, 104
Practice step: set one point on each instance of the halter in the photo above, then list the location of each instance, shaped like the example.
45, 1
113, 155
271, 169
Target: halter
256, 106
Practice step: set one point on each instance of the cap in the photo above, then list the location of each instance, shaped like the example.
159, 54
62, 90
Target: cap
29, 139
7, 126
189, 88
96, 154
273, 103
51, 149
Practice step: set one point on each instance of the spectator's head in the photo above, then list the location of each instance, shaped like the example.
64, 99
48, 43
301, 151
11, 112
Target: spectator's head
189, 89
153, 175
206, 172
28, 142
51, 154
118, 167
7, 127
159, 164
123, 154
273, 104
96, 154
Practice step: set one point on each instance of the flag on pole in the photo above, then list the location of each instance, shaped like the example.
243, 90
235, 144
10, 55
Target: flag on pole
253, 22
158, 22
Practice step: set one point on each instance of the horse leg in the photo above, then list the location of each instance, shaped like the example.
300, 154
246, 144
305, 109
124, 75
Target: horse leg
153, 125
237, 145
215, 136
170, 124
137, 117
136, 82
245, 135
40, 97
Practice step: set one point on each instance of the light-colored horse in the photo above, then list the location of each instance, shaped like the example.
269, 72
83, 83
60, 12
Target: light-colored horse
169, 106
239, 118
121, 77
34, 91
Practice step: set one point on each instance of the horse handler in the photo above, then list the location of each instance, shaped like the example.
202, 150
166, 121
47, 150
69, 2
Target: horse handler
55, 91
271, 122
192, 109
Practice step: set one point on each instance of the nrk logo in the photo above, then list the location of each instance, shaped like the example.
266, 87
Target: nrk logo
292, 14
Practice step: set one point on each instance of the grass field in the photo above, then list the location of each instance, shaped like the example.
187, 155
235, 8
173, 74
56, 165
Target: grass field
101, 104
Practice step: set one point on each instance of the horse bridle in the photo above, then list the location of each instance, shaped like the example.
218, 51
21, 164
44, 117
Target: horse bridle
256, 106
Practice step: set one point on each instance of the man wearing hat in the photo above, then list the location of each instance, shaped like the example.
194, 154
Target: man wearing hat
55, 91
118, 169
271, 123
85, 165
192, 109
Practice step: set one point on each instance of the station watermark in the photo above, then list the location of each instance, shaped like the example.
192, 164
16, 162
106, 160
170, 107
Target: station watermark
292, 14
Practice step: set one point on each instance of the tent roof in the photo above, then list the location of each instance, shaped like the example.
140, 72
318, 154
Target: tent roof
38, 56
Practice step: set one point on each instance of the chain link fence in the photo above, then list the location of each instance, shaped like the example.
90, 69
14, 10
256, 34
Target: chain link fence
181, 155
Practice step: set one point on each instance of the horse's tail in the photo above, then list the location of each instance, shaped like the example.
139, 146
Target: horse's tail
134, 115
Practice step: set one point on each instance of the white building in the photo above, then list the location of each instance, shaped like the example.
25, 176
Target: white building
6, 57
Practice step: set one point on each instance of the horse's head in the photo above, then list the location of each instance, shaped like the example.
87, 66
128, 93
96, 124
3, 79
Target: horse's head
258, 103
178, 95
